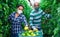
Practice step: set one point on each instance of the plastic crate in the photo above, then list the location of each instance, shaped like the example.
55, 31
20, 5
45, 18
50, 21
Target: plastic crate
30, 36
41, 35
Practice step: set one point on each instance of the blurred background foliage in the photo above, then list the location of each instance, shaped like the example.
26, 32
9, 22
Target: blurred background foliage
50, 26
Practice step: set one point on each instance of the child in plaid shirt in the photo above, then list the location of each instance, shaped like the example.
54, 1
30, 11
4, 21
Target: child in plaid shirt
16, 19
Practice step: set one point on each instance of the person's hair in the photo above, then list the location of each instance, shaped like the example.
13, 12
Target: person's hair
20, 5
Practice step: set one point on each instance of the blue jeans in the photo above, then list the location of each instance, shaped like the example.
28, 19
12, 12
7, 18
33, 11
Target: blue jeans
14, 35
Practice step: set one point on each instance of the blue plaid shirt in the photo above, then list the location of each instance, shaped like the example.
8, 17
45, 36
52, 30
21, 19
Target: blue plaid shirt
16, 22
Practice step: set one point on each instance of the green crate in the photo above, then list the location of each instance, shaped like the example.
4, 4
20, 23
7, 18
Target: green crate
41, 35
30, 36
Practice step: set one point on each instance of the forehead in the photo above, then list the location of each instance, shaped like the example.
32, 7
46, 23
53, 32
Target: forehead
20, 7
36, 3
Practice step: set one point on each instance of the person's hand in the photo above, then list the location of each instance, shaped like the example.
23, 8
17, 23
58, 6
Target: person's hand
35, 29
26, 28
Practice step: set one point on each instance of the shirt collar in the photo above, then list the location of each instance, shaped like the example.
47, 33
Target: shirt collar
19, 14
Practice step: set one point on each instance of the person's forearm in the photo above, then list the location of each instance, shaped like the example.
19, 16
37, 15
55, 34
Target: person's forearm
26, 24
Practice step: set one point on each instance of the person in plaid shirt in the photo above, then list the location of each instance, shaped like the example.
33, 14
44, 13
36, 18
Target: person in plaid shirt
35, 18
16, 19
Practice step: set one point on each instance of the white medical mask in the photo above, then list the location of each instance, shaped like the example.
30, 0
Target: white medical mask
19, 11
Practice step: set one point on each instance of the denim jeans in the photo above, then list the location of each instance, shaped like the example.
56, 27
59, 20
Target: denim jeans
14, 35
